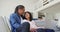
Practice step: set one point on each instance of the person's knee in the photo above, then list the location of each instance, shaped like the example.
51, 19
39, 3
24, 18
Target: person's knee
26, 27
25, 24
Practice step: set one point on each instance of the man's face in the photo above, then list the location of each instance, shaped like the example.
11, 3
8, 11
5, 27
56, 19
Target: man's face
21, 11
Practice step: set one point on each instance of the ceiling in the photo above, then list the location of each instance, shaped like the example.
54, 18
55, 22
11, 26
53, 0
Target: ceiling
54, 8
52, 11
29, 4
30, 1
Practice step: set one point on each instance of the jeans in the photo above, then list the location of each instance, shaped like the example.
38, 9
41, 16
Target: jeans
25, 27
40, 30
45, 30
49, 30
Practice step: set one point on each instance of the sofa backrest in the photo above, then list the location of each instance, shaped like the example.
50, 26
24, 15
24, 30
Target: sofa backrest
3, 25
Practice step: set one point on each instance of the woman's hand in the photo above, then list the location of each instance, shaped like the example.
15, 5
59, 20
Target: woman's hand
33, 30
40, 27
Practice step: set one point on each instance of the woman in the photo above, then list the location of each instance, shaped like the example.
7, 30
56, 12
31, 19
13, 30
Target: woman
33, 28
28, 18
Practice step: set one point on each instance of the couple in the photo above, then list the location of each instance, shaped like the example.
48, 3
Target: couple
20, 23
16, 19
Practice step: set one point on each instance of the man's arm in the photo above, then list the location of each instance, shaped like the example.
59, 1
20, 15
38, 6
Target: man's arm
14, 22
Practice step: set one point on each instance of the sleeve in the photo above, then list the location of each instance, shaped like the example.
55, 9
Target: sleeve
34, 23
14, 22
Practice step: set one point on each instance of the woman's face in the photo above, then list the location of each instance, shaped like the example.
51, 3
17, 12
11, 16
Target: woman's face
27, 15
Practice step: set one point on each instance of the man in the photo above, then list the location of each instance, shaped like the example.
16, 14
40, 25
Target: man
16, 19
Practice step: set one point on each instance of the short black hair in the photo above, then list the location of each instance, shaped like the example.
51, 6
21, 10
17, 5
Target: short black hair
31, 18
19, 7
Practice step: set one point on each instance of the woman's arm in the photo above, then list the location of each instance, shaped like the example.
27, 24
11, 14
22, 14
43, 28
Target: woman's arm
36, 26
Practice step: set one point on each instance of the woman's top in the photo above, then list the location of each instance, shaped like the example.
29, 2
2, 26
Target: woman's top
32, 23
